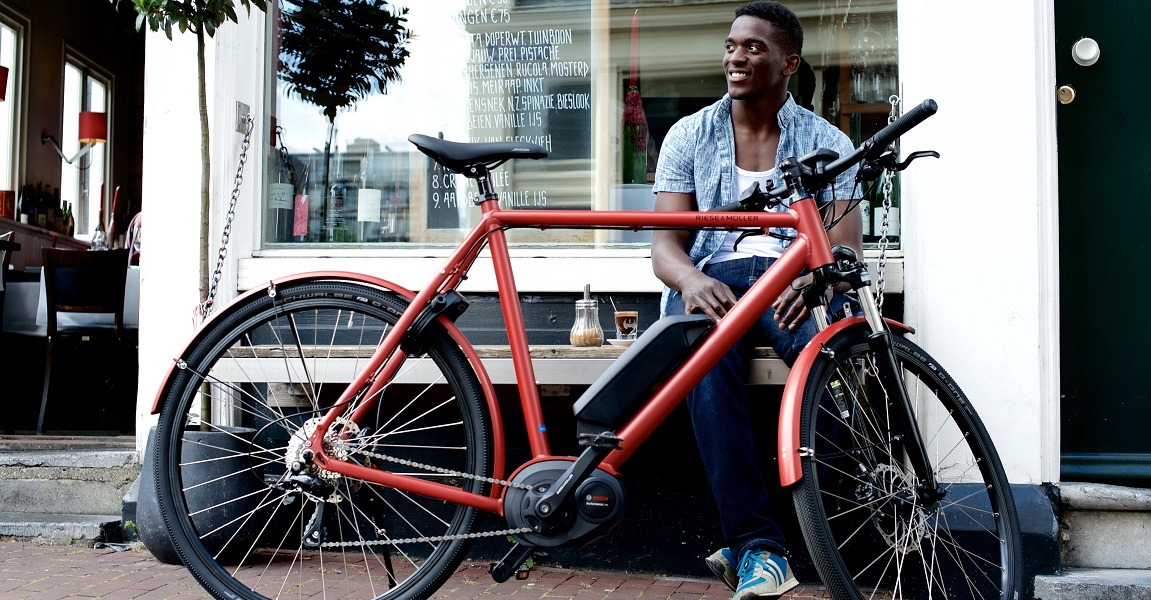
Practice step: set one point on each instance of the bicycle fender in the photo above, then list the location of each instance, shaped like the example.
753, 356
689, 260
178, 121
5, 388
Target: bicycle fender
790, 408
454, 331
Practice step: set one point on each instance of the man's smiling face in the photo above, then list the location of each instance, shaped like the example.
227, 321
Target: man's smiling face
754, 62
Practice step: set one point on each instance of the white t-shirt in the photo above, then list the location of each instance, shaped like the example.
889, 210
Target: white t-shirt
754, 245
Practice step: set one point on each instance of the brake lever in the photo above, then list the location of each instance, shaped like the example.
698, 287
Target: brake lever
747, 233
872, 169
914, 155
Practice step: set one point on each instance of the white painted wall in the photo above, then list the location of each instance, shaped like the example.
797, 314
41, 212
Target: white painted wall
171, 206
169, 289
981, 244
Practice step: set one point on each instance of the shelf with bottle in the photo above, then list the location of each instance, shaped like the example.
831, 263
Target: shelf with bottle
41, 207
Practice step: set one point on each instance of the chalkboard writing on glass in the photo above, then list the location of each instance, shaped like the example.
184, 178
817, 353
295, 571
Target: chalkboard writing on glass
443, 202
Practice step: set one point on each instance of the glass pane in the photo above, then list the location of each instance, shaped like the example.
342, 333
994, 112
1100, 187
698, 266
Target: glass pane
81, 183
8, 43
557, 73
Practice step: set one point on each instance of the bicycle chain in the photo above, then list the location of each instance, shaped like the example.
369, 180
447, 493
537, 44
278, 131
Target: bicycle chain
433, 538
419, 540
411, 463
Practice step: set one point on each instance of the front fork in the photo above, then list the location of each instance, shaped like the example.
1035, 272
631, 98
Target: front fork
854, 272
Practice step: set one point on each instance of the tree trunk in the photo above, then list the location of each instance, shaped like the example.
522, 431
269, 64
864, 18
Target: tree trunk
327, 181
205, 167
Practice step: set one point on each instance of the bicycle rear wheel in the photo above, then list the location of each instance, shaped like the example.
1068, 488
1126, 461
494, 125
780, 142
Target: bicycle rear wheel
251, 517
869, 532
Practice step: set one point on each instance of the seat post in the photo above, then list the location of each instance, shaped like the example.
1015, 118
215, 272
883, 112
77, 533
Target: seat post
487, 191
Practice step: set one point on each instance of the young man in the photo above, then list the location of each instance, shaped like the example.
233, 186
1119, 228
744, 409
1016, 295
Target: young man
706, 160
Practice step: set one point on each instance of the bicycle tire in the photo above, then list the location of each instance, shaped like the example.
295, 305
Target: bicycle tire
245, 528
867, 533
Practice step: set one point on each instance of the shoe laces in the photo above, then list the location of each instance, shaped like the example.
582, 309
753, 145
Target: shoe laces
752, 560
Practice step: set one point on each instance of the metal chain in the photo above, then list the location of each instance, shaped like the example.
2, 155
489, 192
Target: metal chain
433, 538
204, 309
442, 471
430, 538
888, 176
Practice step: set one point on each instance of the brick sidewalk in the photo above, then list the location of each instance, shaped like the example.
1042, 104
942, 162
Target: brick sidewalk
36, 572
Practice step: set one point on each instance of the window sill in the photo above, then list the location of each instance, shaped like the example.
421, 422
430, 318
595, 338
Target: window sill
560, 270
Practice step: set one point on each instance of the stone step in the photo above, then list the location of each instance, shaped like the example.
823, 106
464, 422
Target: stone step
79, 481
1095, 584
1105, 526
60, 529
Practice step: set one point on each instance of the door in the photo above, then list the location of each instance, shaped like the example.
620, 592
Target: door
1104, 129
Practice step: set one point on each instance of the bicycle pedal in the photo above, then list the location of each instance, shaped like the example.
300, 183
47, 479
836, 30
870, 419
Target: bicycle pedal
523, 574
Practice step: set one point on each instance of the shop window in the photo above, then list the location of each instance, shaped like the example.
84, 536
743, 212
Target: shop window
12, 60
82, 181
556, 73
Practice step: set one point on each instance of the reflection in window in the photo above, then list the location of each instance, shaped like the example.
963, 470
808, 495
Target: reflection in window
82, 183
512, 70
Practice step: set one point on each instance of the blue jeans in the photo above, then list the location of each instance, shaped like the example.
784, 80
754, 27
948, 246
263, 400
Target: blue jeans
721, 420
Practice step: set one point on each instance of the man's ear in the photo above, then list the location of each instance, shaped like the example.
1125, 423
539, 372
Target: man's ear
791, 65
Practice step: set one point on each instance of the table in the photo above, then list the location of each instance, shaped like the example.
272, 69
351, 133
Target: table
26, 308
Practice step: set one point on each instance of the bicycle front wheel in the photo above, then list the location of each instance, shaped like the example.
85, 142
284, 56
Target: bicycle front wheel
868, 527
249, 513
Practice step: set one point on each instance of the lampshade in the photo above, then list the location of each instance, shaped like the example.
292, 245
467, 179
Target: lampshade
93, 127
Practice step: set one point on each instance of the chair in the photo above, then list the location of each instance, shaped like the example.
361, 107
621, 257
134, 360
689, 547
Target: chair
7, 247
81, 282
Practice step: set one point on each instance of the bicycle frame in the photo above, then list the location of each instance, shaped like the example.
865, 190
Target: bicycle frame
809, 250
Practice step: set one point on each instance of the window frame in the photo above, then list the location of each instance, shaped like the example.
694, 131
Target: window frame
17, 107
89, 69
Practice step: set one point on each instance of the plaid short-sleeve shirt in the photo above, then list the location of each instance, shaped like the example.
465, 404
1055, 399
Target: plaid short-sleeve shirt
698, 157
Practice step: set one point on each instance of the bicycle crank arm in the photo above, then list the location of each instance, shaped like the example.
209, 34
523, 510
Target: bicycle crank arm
510, 564
598, 447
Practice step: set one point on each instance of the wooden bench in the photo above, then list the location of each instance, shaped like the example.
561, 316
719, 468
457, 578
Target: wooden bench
554, 365
572, 365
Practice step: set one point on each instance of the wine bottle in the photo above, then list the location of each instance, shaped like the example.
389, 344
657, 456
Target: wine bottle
69, 220
281, 195
25, 207
368, 194
56, 213
100, 238
41, 206
334, 218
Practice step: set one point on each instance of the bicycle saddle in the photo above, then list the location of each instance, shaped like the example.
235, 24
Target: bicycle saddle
459, 156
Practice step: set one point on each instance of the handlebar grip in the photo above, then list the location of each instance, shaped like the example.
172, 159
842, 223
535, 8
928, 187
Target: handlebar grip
902, 125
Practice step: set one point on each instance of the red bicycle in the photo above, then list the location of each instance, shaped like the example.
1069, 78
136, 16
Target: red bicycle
336, 433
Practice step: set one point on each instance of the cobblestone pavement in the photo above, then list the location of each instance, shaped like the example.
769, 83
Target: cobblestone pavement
36, 572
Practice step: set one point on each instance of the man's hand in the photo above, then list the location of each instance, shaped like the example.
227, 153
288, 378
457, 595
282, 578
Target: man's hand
790, 311
710, 296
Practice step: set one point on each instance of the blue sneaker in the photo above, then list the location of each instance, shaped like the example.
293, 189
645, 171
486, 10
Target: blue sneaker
762, 573
722, 563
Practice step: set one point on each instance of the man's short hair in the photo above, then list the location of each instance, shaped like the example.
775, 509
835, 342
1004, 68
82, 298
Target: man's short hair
790, 31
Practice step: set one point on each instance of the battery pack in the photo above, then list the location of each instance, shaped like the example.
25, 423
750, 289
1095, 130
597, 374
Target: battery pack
624, 386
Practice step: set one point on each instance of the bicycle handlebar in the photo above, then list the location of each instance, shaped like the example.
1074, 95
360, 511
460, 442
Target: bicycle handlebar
874, 146
871, 148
